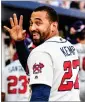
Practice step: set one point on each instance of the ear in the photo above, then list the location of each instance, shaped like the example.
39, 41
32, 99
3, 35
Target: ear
54, 26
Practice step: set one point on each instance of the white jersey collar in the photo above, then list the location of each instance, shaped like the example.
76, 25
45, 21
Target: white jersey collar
56, 39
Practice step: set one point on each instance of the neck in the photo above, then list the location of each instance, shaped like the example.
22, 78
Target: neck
52, 35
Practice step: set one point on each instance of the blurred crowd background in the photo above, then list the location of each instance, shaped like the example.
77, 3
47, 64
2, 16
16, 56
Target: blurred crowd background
76, 4
8, 47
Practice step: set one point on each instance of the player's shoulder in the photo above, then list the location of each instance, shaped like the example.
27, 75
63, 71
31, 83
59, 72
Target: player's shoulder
39, 48
57, 39
78, 44
14, 63
80, 47
49, 44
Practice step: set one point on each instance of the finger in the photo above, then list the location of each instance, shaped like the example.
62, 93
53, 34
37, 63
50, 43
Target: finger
6, 28
11, 22
24, 31
21, 21
15, 19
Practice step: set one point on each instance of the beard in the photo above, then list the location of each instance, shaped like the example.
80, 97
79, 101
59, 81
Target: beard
42, 37
39, 41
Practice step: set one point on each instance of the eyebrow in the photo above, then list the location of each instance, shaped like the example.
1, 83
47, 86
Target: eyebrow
37, 19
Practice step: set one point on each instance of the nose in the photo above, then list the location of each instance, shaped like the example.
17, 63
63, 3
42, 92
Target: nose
33, 27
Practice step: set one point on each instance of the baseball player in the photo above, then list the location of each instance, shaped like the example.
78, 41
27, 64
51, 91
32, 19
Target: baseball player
81, 50
53, 64
15, 83
79, 28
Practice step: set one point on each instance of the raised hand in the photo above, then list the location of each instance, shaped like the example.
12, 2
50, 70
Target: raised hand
16, 31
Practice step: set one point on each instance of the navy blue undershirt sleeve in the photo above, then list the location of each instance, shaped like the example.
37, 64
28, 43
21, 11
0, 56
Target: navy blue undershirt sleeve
40, 92
23, 53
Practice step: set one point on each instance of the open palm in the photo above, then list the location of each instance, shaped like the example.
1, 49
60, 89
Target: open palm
16, 31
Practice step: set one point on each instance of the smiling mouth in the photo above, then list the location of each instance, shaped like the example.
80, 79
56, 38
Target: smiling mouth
35, 36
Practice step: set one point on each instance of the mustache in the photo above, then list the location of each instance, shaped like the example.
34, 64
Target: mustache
31, 34
35, 32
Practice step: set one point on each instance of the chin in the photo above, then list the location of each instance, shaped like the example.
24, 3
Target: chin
36, 43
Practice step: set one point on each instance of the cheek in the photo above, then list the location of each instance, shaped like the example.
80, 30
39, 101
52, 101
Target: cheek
47, 30
29, 29
44, 30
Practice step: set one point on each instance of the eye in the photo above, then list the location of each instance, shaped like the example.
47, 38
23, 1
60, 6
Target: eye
38, 23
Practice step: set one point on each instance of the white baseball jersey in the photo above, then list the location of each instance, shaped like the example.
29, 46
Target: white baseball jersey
15, 83
55, 63
81, 51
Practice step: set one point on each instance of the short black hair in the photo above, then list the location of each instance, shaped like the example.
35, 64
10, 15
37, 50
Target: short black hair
76, 25
81, 35
51, 12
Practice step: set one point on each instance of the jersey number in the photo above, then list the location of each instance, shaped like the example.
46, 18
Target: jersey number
67, 85
14, 82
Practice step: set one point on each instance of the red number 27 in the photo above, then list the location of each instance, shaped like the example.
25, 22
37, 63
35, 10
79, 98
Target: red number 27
68, 65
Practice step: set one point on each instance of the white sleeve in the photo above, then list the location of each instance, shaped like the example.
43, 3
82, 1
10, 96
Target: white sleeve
3, 78
40, 68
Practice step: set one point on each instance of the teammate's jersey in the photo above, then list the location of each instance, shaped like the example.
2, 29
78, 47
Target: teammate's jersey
81, 51
15, 83
58, 67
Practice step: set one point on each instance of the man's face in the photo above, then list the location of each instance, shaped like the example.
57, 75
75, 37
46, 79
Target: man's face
40, 27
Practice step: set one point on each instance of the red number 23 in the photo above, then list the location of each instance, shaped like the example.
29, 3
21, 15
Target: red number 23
12, 85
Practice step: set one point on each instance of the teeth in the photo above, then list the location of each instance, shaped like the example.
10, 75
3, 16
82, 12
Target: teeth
35, 34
